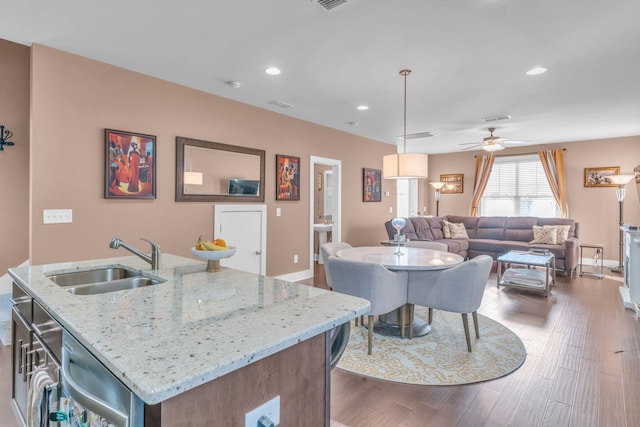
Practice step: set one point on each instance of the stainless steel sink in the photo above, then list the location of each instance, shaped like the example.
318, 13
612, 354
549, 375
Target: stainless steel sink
102, 280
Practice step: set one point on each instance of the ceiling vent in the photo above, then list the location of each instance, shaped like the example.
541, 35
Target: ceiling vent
329, 5
418, 135
280, 104
496, 118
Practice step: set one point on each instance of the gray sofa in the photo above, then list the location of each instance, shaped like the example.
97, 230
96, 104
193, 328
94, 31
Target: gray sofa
494, 236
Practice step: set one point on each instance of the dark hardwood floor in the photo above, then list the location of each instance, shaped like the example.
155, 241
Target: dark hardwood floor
582, 368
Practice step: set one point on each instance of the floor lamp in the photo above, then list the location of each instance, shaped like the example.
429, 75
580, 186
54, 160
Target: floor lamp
438, 186
620, 181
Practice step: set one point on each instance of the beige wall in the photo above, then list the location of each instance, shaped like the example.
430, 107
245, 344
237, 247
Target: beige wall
74, 99
596, 209
14, 161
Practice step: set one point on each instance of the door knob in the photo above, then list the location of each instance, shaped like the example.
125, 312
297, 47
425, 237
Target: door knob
258, 252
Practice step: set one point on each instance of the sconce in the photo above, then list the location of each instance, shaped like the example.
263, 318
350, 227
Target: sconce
4, 136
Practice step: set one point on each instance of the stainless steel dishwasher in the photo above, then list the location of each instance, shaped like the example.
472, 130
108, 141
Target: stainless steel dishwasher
90, 393
83, 391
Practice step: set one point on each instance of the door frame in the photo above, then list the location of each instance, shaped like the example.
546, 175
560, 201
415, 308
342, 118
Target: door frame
262, 208
336, 232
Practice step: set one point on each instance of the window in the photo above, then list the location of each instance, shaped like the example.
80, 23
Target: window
518, 187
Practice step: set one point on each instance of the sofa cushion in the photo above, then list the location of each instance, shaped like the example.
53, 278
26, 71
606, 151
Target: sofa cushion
422, 228
546, 235
563, 233
436, 227
520, 228
491, 227
457, 231
456, 246
560, 221
470, 223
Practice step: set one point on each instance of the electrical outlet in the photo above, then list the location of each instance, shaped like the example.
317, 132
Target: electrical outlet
270, 410
295, 259
390, 209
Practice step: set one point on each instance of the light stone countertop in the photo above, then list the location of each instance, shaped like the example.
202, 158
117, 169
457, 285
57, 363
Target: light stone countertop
168, 338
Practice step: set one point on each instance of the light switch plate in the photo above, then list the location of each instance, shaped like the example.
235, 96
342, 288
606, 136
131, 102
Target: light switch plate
57, 216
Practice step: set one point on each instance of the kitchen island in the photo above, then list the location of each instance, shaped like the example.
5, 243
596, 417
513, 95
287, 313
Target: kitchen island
204, 348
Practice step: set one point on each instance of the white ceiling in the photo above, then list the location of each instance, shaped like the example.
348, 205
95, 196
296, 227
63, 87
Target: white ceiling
468, 57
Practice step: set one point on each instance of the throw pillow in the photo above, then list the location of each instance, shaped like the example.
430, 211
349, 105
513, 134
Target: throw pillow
445, 229
563, 233
458, 231
545, 235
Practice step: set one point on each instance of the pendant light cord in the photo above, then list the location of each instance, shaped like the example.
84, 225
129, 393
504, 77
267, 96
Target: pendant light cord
405, 73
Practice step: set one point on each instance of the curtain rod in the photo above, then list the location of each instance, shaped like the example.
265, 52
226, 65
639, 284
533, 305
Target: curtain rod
521, 154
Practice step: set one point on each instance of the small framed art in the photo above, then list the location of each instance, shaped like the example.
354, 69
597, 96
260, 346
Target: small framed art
371, 185
454, 183
287, 177
130, 165
597, 177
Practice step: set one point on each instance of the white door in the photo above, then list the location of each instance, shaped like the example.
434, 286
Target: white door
243, 226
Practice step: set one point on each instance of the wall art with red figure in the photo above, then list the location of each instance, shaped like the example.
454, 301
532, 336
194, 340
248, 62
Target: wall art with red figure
371, 185
130, 165
287, 177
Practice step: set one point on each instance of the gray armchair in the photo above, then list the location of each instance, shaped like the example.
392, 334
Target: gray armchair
386, 290
329, 249
458, 290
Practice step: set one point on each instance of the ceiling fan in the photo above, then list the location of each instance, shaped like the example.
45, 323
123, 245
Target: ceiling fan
492, 143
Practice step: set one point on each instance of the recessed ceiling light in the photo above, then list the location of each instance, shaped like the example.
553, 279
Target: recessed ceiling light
362, 107
272, 71
536, 70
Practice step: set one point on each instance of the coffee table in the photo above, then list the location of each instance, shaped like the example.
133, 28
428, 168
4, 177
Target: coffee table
527, 278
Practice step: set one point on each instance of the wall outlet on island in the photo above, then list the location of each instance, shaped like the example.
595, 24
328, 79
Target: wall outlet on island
267, 414
295, 259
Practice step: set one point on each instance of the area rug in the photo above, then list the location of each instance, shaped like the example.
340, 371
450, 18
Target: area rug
439, 358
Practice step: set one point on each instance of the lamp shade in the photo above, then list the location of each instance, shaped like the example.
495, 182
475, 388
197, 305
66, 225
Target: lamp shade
438, 185
620, 179
193, 178
404, 166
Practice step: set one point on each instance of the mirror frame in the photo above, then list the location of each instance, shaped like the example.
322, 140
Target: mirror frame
182, 141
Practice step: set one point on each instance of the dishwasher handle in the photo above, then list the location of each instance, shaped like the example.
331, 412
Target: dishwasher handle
86, 399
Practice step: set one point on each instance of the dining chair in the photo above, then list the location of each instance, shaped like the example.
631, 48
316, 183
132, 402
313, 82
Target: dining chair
329, 249
458, 289
427, 244
386, 290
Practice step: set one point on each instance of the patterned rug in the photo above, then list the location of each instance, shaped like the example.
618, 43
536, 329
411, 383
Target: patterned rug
439, 358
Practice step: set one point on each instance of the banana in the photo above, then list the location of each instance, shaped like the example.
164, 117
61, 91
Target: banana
206, 245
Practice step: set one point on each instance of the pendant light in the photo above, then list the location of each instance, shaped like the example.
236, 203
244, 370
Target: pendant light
404, 165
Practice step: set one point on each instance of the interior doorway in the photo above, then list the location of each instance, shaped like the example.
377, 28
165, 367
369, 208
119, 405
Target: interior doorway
325, 180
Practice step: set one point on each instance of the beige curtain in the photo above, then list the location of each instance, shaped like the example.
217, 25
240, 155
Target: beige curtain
483, 170
553, 164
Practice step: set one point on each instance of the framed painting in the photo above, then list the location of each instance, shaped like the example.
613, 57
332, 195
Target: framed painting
454, 183
130, 165
371, 182
597, 177
287, 177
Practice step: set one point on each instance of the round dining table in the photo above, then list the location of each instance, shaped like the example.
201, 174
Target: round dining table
402, 258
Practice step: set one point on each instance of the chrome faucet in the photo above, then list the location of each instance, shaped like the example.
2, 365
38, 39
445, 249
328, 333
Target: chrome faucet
153, 259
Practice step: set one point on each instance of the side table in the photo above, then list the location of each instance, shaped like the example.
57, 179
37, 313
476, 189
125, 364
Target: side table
527, 278
594, 246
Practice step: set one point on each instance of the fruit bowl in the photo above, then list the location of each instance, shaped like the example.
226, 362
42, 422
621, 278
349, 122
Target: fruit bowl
213, 257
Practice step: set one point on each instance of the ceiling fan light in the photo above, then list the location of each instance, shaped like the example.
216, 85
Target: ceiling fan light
493, 147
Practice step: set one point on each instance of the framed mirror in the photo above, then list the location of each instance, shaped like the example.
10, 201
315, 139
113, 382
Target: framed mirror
214, 172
